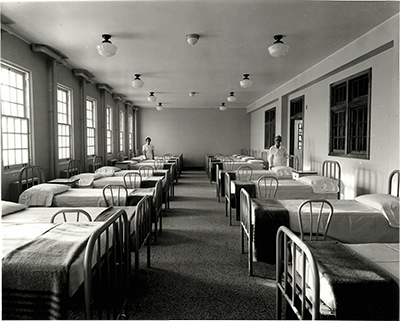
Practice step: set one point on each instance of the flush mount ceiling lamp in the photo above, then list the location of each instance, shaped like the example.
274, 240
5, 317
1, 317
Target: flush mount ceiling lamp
106, 48
160, 107
137, 82
246, 82
222, 107
278, 49
151, 97
192, 38
231, 98
192, 93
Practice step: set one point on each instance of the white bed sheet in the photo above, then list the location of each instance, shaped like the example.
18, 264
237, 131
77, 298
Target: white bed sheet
119, 180
293, 189
352, 222
81, 197
44, 214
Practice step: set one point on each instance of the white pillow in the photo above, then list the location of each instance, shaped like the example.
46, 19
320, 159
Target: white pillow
11, 207
42, 194
321, 184
107, 171
386, 203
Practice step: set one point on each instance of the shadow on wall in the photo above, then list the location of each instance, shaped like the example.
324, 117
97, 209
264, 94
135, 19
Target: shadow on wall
366, 181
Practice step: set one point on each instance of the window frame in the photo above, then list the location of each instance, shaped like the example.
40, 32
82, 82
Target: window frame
27, 117
93, 103
130, 130
69, 123
270, 127
109, 129
340, 111
121, 130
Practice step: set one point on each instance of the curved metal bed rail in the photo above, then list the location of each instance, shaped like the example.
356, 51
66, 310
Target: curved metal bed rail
112, 237
30, 176
332, 170
289, 283
394, 182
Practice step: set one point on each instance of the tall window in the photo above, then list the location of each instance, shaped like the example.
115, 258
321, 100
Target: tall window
64, 117
15, 116
130, 122
91, 126
350, 116
269, 133
109, 128
121, 130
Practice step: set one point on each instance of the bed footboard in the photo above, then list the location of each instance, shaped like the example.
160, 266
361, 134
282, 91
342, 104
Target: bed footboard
106, 275
292, 256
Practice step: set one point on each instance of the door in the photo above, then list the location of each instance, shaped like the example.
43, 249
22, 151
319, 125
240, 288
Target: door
298, 141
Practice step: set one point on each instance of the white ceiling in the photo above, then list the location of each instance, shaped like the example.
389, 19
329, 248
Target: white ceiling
234, 37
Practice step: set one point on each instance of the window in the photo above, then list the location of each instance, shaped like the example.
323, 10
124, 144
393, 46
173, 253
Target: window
64, 117
269, 134
130, 122
15, 116
121, 130
91, 126
109, 128
350, 116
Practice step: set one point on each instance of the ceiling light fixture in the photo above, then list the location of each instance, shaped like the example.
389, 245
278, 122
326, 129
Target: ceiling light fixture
278, 49
231, 98
192, 38
106, 48
222, 107
160, 107
192, 93
151, 97
246, 82
137, 82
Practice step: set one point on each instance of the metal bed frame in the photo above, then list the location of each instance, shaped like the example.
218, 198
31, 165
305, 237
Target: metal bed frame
289, 283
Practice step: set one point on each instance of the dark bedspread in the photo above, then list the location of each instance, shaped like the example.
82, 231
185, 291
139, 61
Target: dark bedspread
362, 291
269, 216
35, 276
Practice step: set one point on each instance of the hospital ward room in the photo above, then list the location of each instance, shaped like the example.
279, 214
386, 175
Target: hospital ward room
200, 160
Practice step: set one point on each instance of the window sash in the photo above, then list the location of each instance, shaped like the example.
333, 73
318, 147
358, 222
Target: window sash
121, 130
109, 134
64, 117
269, 128
350, 116
15, 117
90, 128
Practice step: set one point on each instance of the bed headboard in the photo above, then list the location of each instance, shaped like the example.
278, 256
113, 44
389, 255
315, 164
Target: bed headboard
97, 163
332, 170
73, 167
293, 162
394, 183
30, 176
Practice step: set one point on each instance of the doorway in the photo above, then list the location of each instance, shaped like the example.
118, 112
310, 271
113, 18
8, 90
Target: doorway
296, 131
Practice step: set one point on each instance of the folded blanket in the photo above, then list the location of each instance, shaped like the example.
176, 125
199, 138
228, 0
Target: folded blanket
35, 275
362, 290
269, 215
86, 179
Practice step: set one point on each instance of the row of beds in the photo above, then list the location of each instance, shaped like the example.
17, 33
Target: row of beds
354, 274
80, 253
